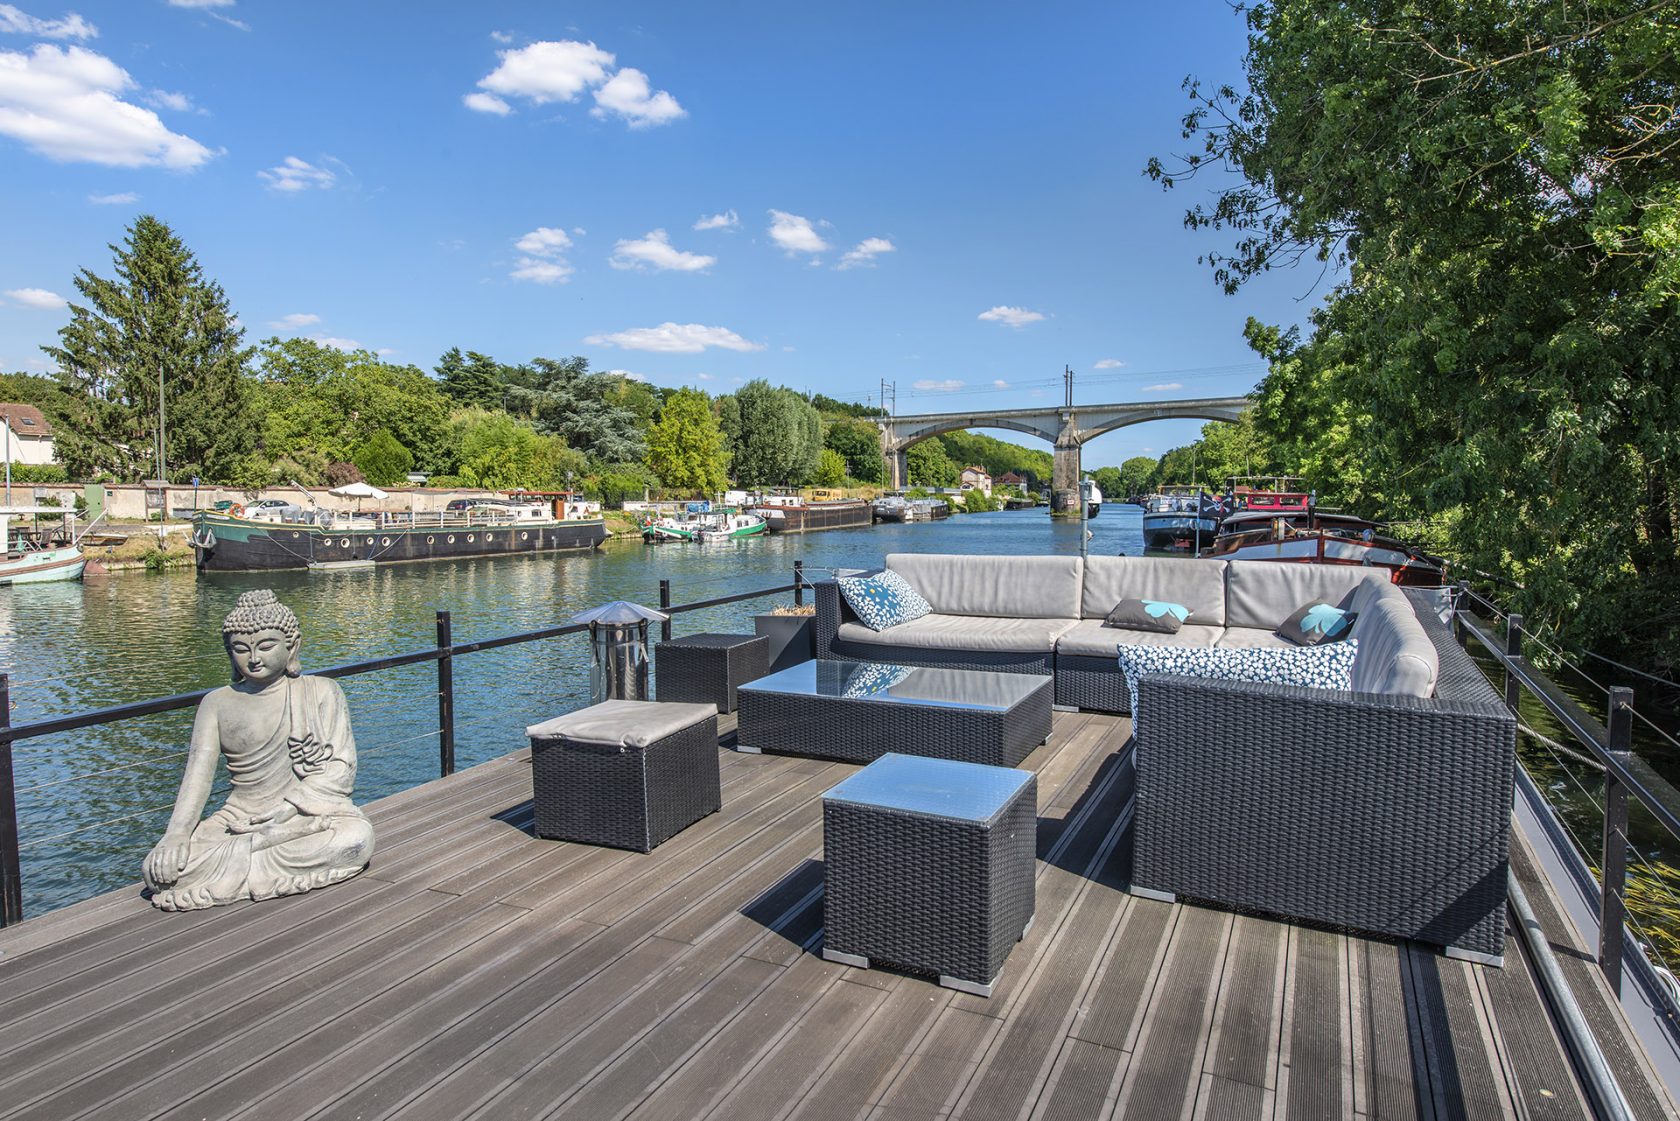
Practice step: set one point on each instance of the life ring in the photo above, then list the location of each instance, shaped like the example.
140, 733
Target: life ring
236, 511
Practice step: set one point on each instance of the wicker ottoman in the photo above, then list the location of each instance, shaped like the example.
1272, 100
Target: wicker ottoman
928, 866
629, 774
706, 668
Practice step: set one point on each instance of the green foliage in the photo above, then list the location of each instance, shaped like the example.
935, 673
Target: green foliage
831, 468
158, 321
39, 473
829, 407
495, 451
1134, 477
472, 380
778, 439
979, 502
1497, 177
44, 393
1225, 450
686, 446
930, 466
859, 443
997, 456
562, 398
320, 404
382, 460
1110, 482
621, 482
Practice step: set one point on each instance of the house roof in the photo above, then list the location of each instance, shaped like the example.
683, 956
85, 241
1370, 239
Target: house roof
976, 470
27, 420
1011, 477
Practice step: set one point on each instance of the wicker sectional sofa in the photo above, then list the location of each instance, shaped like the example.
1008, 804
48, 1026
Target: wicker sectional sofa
1385, 809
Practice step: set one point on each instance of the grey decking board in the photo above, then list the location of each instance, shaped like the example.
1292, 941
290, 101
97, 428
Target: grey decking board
1537, 1070
1114, 1013
1393, 1084
1166, 1068
1466, 1084
1082, 1083
1249, 1008
942, 1064
1315, 1042
860, 1072
1220, 1099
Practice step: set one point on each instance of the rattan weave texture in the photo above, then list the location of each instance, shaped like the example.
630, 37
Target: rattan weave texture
929, 894
708, 668
1386, 814
625, 797
859, 730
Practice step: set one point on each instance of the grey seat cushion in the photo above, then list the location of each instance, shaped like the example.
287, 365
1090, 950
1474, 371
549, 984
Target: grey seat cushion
964, 632
1003, 587
1197, 584
1250, 638
1090, 639
1262, 594
1395, 654
623, 723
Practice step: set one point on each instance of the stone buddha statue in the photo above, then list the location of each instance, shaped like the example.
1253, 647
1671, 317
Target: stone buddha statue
288, 824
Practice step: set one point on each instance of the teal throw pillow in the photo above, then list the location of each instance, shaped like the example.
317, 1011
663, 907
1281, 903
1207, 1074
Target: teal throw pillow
1152, 615
1317, 623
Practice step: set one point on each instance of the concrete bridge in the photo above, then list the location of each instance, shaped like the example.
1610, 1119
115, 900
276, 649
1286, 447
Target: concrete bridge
1065, 427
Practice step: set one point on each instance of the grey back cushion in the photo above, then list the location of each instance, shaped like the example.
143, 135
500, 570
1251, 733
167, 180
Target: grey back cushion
1395, 654
1263, 594
1197, 584
1003, 587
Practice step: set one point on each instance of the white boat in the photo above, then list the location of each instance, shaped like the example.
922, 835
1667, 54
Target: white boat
27, 561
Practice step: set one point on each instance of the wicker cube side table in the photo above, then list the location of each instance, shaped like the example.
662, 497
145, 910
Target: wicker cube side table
707, 668
628, 774
929, 866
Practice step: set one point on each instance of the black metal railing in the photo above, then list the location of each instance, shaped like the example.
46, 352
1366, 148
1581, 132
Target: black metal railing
443, 654
1606, 747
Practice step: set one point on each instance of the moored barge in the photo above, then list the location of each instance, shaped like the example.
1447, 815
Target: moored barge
792, 514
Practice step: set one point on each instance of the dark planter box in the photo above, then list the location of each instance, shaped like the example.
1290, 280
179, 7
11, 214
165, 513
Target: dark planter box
793, 638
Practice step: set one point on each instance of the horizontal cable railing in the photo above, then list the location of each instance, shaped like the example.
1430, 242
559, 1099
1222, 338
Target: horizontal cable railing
1604, 749
443, 654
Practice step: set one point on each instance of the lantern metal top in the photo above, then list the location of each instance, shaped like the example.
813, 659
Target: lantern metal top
620, 612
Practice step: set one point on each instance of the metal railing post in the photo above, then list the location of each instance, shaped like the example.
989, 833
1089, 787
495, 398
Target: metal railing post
1458, 607
1513, 649
799, 583
665, 606
11, 869
446, 695
1612, 902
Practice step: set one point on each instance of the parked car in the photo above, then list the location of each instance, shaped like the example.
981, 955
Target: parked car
274, 510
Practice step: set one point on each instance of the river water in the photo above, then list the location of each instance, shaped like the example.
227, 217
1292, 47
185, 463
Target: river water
91, 803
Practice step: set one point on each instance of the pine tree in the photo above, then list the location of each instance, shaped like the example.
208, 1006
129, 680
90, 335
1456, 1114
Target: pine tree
158, 321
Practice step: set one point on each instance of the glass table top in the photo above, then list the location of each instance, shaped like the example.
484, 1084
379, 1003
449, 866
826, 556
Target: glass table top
914, 685
942, 787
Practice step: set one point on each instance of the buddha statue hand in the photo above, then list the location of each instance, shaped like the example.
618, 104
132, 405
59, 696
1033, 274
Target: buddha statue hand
166, 862
309, 755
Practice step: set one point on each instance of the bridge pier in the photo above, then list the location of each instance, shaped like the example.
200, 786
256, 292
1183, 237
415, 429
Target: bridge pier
1064, 481
898, 468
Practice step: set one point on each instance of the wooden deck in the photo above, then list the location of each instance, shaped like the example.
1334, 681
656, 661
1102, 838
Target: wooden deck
475, 971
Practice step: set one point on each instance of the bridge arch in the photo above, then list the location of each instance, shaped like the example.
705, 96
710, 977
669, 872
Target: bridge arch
906, 440
1087, 433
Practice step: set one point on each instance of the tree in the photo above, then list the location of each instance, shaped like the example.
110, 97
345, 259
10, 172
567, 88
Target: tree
1136, 474
780, 436
686, 446
472, 380
499, 452
1502, 359
929, 466
831, 468
621, 482
997, 456
1109, 481
382, 460
158, 323
563, 398
859, 442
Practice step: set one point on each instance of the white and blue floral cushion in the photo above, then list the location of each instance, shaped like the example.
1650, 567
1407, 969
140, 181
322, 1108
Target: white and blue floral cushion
1318, 667
871, 679
883, 600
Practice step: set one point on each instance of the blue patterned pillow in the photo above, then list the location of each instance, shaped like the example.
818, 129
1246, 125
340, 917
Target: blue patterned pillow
883, 600
1319, 667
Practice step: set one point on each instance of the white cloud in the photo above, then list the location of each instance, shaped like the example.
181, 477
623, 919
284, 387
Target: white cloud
928, 385
486, 103
62, 102
501, 36
549, 71
1011, 316
866, 252
626, 374
704, 377
794, 233
728, 220
295, 320
627, 94
122, 198
1109, 363
346, 345
1163, 387
38, 298
545, 256
208, 7
294, 174
999, 383
675, 338
72, 26
655, 251
174, 102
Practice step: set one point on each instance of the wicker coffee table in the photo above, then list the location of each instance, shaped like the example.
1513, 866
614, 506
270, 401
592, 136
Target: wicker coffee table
928, 865
708, 668
857, 712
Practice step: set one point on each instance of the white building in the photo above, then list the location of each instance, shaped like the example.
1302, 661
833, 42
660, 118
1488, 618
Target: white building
31, 439
976, 478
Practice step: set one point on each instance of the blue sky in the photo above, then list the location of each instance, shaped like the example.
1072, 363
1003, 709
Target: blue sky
948, 196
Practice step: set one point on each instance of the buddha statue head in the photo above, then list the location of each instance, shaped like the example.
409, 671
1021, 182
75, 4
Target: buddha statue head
262, 637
